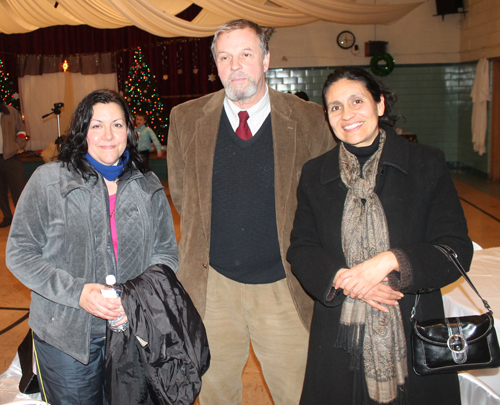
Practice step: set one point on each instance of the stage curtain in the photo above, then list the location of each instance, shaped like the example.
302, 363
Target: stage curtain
39, 93
183, 67
89, 64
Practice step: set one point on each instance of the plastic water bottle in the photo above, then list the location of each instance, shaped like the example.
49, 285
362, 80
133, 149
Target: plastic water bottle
113, 292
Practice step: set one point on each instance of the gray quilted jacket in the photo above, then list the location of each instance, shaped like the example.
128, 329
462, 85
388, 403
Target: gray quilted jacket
59, 241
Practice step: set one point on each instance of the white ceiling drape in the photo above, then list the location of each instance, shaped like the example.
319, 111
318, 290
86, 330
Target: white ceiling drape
158, 17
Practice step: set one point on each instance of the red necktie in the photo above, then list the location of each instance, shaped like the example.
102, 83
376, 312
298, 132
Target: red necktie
243, 130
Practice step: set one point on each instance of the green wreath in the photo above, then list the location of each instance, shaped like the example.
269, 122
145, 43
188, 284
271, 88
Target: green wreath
382, 69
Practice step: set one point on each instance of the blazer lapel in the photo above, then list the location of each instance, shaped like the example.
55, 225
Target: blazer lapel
206, 130
285, 149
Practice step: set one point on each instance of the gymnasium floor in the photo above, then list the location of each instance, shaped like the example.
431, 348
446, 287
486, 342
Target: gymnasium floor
480, 200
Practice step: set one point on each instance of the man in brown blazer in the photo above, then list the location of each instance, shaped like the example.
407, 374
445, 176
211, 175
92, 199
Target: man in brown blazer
13, 138
234, 162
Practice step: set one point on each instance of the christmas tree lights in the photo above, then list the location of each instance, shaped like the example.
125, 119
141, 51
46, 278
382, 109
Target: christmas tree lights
142, 95
7, 90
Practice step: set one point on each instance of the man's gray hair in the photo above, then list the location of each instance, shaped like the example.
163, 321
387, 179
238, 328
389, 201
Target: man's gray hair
240, 25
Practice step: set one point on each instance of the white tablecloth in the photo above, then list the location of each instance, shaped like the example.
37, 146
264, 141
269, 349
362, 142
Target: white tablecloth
459, 299
474, 392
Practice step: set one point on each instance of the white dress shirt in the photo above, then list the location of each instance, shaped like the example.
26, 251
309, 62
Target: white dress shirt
257, 113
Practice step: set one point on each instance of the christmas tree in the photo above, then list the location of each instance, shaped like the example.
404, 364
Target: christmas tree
6, 89
142, 95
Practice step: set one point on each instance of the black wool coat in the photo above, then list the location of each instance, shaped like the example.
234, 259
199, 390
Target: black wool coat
422, 209
165, 368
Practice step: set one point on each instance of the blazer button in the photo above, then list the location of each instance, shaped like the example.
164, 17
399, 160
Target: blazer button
205, 265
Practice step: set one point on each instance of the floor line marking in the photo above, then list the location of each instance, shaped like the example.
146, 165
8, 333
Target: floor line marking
13, 309
13, 325
480, 209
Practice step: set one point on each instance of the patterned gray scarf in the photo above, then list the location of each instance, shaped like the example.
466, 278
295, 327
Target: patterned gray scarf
365, 331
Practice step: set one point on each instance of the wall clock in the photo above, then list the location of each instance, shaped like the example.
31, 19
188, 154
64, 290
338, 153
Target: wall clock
346, 39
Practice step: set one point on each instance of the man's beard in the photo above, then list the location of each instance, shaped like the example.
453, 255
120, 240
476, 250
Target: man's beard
238, 93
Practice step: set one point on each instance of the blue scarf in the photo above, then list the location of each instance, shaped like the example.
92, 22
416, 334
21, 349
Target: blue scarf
110, 173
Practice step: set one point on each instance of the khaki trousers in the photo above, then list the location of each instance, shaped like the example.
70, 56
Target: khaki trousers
264, 314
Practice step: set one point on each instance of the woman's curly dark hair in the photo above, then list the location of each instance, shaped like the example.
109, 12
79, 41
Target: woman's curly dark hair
74, 148
374, 86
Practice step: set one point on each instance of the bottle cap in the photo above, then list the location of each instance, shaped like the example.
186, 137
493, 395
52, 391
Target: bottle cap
110, 279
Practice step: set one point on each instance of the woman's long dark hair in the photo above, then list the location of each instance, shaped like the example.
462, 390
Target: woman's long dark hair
374, 86
75, 147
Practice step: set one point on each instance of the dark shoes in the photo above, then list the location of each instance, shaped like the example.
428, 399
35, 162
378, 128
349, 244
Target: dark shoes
5, 223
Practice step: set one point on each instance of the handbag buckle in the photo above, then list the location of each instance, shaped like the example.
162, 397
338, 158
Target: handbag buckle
457, 343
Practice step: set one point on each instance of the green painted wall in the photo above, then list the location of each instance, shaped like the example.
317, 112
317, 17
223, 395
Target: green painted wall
433, 99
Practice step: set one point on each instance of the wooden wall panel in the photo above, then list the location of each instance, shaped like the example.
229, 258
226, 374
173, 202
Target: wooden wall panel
495, 123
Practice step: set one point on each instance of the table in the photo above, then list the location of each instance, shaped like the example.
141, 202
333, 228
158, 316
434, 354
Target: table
459, 300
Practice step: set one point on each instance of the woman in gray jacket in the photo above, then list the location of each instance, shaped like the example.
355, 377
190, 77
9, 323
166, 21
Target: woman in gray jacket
96, 211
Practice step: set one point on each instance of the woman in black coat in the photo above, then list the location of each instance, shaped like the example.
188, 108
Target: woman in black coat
369, 215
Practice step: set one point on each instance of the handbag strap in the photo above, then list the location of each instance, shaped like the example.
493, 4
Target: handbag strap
453, 257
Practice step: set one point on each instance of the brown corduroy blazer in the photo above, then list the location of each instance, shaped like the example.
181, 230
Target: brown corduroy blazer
300, 133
